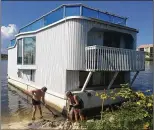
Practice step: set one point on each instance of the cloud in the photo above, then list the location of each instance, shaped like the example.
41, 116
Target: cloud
4, 51
9, 31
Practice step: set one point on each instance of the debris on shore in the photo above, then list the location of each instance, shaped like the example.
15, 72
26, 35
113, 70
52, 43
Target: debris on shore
46, 124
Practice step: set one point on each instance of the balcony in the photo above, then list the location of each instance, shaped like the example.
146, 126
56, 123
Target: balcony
102, 58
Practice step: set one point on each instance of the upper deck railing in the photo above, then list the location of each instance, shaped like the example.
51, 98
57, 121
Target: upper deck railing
72, 10
101, 58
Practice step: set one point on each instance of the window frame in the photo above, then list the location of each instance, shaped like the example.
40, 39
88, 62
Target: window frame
32, 75
17, 41
34, 50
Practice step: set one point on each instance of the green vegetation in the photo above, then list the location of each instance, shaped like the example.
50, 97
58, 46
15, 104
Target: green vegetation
148, 59
134, 114
4, 56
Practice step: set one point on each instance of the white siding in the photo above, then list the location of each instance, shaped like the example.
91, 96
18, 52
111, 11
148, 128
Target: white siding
76, 31
72, 81
12, 63
60, 48
50, 59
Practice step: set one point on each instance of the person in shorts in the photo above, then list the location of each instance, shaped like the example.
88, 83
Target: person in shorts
37, 96
76, 106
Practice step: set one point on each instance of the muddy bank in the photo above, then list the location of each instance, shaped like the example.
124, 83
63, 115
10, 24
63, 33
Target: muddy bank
59, 124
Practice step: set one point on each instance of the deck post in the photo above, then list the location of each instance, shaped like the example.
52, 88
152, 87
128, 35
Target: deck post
87, 80
134, 78
114, 77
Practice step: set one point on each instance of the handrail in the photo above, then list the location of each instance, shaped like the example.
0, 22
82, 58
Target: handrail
102, 58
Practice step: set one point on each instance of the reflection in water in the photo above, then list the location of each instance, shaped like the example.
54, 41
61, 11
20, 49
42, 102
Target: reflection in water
17, 107
143, 81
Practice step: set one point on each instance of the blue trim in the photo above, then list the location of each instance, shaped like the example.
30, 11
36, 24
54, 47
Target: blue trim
71, 10
27, 28
64, 13
12, 43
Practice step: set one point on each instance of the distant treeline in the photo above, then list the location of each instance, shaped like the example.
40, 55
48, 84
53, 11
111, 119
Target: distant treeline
4, 56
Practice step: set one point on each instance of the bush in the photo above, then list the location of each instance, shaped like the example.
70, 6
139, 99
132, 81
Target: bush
135, 114
130, 116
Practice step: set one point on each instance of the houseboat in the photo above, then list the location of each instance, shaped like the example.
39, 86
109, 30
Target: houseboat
74, 48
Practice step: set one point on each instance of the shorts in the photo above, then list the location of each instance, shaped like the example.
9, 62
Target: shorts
34, 102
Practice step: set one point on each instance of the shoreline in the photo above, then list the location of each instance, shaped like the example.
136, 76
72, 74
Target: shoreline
59, 124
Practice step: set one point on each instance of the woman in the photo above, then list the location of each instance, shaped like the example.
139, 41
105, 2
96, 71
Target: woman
76, 106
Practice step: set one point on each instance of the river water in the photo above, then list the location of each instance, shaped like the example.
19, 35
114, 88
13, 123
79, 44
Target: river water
16, 106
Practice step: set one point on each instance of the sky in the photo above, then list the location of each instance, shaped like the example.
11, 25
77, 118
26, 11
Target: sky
16, 14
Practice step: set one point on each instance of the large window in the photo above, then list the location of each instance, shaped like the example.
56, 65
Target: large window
29, 45
19, 52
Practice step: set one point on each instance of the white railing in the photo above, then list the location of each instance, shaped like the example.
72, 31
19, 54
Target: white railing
102, 58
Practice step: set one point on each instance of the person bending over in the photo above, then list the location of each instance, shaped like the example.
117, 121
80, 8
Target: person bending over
76, 105
37, 96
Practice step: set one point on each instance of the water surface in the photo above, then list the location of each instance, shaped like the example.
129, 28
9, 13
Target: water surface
16, 106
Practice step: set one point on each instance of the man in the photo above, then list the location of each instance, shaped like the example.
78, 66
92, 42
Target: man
76, 106
37, 95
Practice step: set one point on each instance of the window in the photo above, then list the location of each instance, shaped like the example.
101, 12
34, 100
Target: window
29, 45
32, 75
72, 11
19, 52
141, 49
29, 75
151, 49
19, 74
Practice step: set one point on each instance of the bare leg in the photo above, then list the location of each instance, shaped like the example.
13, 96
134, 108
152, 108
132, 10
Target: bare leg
82, 117
81, 114
39, 107
76, 115
34, 111
71, 114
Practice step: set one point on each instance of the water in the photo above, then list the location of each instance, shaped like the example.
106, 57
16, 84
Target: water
144, 80
17, 107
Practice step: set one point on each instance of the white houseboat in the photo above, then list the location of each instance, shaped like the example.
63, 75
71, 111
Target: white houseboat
74, 48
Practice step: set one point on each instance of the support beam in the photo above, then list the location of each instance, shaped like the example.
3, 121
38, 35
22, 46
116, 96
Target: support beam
87, 80
114, 77
134, 78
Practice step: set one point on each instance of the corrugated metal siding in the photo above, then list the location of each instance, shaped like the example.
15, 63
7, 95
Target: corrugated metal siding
50, 58
77, 36
59, 48
75, 44
12, 62
72, 80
